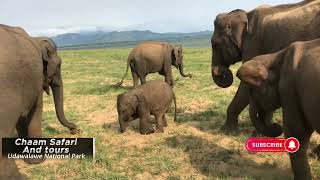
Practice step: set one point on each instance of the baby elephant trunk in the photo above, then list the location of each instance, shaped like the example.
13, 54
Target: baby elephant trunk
122, 125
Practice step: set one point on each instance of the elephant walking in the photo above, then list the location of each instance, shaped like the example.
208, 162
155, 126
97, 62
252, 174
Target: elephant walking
151, 57
289, 79
239, 36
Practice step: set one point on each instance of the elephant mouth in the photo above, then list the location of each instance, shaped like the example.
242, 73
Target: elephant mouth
222, 76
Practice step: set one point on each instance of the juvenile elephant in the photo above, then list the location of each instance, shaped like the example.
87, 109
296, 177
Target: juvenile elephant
28, 66
151, 57
289, 79
239, 36
151, 98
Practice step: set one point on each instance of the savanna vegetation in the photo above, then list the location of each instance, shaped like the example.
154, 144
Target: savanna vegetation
192, 148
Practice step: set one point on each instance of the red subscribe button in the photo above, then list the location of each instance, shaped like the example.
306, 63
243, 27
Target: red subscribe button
290, 145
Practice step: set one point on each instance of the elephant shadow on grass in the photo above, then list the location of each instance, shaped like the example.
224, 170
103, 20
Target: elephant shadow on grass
210, 120
205, 121
214, 161
133, 126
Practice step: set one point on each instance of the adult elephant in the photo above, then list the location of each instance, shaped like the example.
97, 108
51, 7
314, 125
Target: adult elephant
239, 36
28, 66
151, 57
289, 79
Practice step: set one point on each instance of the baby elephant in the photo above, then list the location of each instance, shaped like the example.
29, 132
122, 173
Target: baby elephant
151, 98
289, 79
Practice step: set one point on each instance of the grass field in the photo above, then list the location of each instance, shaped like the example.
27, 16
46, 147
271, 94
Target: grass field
193, 148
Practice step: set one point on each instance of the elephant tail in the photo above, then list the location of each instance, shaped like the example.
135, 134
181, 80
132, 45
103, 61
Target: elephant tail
175, 106
120, 83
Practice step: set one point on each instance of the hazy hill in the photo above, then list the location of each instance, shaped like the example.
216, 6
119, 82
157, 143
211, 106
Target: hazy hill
129, 38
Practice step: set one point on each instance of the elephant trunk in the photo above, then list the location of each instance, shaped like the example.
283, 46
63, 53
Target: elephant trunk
122, 125
222, 76
181, 70
220, 72
57, 91
123, 122
262, 121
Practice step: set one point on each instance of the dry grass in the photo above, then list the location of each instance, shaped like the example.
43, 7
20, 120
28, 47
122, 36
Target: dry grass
194, 148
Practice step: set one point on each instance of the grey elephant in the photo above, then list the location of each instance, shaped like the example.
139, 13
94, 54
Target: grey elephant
28, 66
239, 36
151, 57
151, 98
289, 79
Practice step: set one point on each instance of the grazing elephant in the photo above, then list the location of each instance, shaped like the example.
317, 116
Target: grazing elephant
151, 98
239, 36
289, 79
28, 66
151, 57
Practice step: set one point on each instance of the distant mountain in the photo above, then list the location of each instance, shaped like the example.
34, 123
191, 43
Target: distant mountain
125, 38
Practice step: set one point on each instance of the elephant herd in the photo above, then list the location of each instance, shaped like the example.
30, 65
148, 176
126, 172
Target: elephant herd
278, 45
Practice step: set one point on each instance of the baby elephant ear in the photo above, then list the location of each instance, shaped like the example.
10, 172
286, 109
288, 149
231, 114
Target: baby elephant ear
142, 104
252, 73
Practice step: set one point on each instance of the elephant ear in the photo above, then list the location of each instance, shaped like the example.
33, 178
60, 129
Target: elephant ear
142, 104
172, 54
253, 73
47, 49
237, 24
179, 49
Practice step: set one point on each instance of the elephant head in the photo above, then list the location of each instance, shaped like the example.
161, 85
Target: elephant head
177, 59
262, 75
127, 106
226, 44
52, 78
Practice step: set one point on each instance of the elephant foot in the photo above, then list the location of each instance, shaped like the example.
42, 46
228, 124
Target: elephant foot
75, 131
149, 130
229, 128
34, 160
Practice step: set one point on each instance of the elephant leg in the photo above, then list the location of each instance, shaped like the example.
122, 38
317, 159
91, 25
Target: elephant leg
34, 127
168, 77
145, 127
238, 103
141, 71
164, 119
9, 115
22, 127
143, 79
159, 124
135, 78
295, 126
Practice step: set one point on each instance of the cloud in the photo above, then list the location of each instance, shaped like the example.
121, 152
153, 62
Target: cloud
65, 16
63, 30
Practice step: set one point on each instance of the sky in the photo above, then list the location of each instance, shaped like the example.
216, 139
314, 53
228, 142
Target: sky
41, 17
